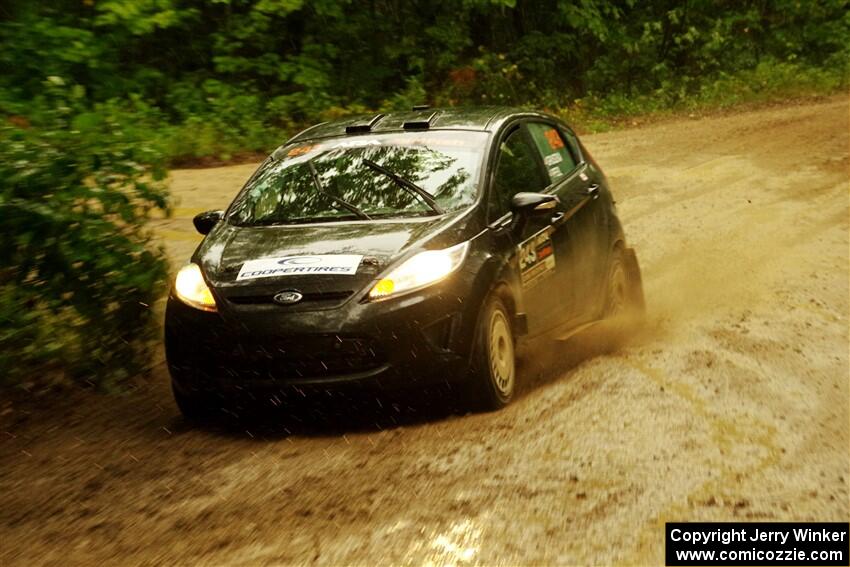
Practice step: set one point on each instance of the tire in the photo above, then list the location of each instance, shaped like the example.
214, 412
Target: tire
637, 302
492, 376
194, 407
624, 286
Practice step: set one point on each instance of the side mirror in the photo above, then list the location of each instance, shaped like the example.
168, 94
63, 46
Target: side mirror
533, 203
205, 222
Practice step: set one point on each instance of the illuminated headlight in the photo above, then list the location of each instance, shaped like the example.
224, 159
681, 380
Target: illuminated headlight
192, 290
419, 271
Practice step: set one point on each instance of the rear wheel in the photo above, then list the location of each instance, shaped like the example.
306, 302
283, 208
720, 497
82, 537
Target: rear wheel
493, 373
636, 298
624, 292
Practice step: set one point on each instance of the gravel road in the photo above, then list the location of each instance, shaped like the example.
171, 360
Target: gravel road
732, 404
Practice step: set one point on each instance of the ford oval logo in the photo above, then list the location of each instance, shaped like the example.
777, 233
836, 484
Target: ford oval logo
299, 261
288, 297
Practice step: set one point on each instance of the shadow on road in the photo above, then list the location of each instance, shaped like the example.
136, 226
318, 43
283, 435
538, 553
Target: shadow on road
330, 413
334, 413
546, 360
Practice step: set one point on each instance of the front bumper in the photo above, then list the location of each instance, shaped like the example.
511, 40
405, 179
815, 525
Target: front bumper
407, 342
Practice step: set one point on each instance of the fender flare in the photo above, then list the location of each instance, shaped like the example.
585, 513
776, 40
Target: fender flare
493, 276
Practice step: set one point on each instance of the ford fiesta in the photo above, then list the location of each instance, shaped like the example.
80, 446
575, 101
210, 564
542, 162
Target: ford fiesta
396, 251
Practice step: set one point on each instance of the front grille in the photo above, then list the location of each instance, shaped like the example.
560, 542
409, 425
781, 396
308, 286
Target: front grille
300, 357
317, 296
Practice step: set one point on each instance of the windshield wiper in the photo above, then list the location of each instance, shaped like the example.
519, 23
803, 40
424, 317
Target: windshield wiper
407, 185
317, 183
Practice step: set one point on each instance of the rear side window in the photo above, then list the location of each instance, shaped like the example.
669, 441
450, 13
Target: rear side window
517, 170
556, 156
572, 142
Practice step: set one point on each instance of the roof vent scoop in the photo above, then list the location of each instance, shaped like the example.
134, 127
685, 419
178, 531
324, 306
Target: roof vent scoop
419, 124
363, 125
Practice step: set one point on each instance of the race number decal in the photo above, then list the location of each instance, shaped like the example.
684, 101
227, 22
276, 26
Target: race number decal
327, 264
536, 258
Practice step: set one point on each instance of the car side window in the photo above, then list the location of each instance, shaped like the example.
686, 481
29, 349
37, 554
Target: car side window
517, 170
572, 142
557, 157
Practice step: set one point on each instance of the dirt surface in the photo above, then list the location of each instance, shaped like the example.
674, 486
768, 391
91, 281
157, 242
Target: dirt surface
732, 404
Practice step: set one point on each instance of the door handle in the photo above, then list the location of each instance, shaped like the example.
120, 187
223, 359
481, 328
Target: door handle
556, 218
593, 191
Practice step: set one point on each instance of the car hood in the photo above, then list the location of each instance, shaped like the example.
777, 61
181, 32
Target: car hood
380, 242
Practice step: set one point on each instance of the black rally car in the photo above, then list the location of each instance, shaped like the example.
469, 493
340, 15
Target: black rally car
396, 250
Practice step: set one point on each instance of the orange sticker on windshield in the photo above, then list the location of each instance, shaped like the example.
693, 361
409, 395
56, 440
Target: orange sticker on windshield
554, 139
300, 150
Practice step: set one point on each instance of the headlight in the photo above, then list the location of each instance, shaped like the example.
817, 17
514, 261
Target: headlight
420, 271
191, 288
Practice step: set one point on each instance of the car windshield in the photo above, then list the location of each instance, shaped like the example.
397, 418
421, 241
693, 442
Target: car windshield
337, 179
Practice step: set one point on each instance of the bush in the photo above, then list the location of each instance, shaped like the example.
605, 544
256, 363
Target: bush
220, 120
78, 270
770, 80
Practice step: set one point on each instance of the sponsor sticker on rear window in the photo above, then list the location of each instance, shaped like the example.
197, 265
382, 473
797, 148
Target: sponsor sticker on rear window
553, 159
320, 264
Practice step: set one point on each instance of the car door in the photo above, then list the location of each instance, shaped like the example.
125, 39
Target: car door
575, 223
519, 168
598, 242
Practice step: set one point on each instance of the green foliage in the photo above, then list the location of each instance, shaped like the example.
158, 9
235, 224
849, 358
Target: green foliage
222, 120
78, 271
224, 77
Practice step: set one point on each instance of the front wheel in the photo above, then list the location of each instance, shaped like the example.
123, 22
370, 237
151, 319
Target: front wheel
492, 378
197, 408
